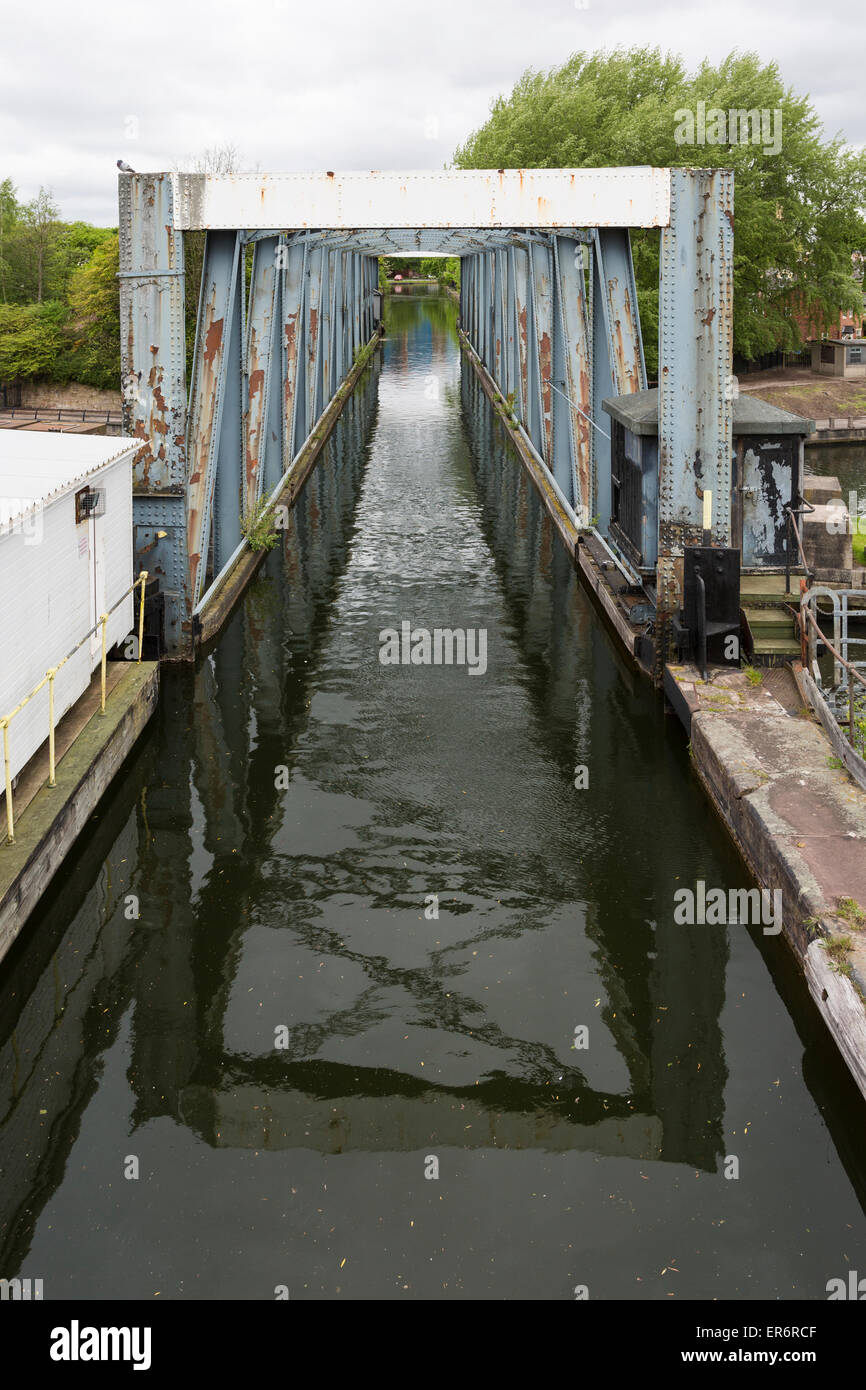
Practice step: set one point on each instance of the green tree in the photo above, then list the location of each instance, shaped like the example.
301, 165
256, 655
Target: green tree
31, 338
92, 353
40, 227
796, 212
445, 269
10, 214
74, 245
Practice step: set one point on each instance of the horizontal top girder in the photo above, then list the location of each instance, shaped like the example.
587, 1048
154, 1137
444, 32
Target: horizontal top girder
460, 198
418, 241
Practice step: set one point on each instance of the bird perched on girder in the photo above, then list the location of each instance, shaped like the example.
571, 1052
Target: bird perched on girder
124, 168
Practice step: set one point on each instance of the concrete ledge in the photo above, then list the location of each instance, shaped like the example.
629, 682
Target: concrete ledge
800, 824
55, 817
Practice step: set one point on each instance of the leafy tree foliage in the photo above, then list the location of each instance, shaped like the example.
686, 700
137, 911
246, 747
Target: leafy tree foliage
58, 294
445, 269
797, 213
32, 338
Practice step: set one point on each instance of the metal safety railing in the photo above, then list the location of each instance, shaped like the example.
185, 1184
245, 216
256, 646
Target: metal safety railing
848, 673
49, 678
791, 513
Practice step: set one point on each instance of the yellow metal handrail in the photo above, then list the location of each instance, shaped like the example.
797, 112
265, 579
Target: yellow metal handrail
49, 677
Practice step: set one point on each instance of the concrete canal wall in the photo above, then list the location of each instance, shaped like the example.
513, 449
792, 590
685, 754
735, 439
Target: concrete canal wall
55, 816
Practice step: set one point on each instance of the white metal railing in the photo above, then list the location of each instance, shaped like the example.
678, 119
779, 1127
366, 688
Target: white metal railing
846, 693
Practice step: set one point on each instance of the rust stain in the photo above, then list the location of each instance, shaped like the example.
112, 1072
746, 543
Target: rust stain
545, 362
257, 381
213, 340
625, 348
709, 318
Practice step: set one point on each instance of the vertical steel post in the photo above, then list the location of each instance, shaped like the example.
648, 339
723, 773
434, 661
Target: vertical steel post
523, 321
542, 318
510, 325
260, 367
695, 352
153, 385
339, 319
215, 377
356, 302
293, 354
617, 348
571, 377
312, 314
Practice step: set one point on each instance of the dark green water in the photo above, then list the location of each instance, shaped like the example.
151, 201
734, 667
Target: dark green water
295, 900
847, 462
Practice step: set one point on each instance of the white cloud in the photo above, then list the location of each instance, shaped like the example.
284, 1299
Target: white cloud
341, 85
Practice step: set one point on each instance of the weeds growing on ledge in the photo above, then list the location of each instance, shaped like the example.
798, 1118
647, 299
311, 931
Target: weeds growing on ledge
256, 527
852, 912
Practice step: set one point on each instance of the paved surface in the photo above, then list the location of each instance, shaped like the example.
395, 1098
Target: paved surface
800, 822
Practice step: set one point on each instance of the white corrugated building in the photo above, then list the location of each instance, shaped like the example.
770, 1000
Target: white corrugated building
65, 559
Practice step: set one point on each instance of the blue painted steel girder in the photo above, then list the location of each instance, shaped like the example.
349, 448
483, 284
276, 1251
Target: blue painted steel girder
293, 356
218, 324
541, 269
572, 466
153, 382
618, 366
262, 371
695, 356
152, 348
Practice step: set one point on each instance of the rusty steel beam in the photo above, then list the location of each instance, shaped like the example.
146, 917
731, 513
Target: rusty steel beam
153, 374
695, 356
455, 198
312, 326
523, 315
153, 383
572, 465
218, 310
618, 366
293, 357
339, 318
542, 317
500, 271
261, 353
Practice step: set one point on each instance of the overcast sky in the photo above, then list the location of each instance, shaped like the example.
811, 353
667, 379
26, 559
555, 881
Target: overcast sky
341, 84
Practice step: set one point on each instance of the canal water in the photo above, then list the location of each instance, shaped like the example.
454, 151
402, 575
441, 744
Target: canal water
306, 1010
